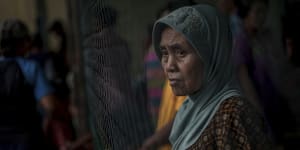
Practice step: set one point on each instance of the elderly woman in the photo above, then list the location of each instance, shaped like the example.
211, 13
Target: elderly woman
194, 46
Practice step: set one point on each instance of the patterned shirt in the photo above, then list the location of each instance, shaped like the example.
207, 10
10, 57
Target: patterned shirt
235, 126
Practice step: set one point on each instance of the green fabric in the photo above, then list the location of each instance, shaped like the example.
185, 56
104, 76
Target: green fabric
208, 32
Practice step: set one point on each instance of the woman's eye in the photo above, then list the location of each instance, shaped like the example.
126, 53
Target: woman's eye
164, 53
181, 53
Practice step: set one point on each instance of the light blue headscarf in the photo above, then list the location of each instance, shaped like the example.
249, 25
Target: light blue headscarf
208, 32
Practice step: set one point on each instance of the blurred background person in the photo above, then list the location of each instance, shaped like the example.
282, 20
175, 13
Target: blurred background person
235, 9
290, 83
54, 63
24, 88
57, 66
115, 113
60, 130
257, 70
230, 8
155, 79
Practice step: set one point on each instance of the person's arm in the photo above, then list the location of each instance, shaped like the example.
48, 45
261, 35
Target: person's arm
48, 103
43, 91
159, 138
80, 142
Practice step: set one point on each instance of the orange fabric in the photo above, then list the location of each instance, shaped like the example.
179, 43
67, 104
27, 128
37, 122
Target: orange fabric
168, 108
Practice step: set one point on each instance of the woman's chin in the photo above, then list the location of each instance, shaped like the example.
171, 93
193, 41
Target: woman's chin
179, 92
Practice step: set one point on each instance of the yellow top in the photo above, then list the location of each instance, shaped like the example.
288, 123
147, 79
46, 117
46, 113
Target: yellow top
168, 108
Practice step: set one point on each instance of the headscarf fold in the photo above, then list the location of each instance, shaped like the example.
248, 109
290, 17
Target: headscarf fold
208, 31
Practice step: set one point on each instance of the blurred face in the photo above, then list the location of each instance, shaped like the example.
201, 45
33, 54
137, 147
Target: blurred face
181, 63
225, 6
54, 42
24, 47
257, 15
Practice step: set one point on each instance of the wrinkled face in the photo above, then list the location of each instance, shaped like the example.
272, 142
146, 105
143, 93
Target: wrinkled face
181, 63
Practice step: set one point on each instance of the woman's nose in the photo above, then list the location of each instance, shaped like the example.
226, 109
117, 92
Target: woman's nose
171, 64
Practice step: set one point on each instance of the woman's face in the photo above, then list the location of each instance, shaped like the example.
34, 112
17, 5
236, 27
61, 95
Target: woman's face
181, 63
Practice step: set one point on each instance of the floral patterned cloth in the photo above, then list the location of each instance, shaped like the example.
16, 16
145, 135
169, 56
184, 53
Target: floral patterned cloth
235, 126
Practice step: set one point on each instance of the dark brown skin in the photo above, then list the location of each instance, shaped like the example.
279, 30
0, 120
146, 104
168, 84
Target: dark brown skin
181, 63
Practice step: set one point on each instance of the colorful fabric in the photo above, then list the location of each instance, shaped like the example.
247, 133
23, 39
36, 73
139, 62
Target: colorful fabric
155, 81
170, 104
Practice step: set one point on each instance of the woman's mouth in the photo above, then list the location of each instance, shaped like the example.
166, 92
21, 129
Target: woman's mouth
174, 82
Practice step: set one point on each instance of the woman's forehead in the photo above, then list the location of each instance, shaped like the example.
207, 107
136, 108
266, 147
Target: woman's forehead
169, 36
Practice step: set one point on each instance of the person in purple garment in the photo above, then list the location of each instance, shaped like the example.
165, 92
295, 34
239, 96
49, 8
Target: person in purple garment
252, 53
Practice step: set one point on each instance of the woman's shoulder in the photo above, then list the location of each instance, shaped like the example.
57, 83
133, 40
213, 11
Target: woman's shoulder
231, 111
235, 104
239, 108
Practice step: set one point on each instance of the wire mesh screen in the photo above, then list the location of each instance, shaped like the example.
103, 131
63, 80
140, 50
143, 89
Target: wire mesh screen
117, 110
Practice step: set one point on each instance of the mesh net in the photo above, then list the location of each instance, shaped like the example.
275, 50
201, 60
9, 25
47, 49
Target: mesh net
117, 110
